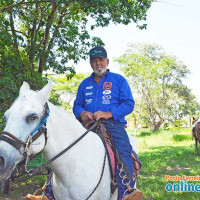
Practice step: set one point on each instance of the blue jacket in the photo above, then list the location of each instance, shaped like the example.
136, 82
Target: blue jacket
112, 94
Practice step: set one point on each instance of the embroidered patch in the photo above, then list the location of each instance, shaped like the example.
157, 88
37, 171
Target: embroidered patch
89, 87
106, 102
88, 101
106, 97
107, 85
106, 91
88, 93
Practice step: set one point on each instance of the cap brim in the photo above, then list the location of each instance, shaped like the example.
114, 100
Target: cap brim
97, 57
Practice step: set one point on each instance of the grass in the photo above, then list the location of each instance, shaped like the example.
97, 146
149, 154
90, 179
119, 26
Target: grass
166, 153
161, 153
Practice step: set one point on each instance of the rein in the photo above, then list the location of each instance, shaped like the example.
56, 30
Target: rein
104, 162
38, 169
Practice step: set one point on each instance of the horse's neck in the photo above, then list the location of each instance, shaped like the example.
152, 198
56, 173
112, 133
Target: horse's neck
63, 130
63, 126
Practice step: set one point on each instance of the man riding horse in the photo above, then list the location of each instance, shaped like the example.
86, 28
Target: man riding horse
107, 96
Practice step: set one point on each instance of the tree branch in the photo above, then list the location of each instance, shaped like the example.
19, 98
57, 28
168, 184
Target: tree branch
15, 45
46, 36
20, 32
32, 44
56, 29
23, 3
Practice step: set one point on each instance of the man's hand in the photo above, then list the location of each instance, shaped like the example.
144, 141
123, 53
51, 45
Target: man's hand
85, 116
102, 115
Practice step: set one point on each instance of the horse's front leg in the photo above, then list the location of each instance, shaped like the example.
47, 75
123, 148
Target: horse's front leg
196, 146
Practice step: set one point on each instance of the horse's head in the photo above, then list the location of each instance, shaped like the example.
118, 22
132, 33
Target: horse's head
194, 119
22, 118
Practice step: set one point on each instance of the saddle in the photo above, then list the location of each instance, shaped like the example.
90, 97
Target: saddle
114, 157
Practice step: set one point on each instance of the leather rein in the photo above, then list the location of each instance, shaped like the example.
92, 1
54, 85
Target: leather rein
38, 169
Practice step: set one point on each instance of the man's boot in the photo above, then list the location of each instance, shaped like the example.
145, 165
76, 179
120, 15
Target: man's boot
38, 197
135, 195
33, 197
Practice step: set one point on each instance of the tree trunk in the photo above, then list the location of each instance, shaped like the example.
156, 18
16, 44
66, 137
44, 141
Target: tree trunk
157, 125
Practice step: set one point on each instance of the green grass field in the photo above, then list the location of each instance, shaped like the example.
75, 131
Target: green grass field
166, 153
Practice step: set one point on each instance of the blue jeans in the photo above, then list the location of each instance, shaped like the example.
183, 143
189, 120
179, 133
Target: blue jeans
124, 148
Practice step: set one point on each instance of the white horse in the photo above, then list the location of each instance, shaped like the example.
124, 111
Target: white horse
75, 173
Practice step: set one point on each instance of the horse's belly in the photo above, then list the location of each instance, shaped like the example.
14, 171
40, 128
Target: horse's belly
80, 189
64, 195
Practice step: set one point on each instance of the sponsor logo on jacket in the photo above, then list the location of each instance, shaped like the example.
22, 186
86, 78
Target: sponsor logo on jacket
89, 87
106, 91
107, 85
88, 93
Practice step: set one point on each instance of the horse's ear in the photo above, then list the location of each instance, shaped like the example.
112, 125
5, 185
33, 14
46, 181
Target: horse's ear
44, 93
24, 88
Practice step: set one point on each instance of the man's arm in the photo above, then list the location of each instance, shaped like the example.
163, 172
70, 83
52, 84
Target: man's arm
78, 108
126, 101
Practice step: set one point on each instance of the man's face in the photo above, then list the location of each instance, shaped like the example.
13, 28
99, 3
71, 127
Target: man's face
99, 65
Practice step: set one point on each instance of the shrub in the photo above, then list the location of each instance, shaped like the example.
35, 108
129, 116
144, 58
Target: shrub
181, 137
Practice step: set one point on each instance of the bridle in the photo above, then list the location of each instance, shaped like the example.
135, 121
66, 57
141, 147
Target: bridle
17, 143
34, 135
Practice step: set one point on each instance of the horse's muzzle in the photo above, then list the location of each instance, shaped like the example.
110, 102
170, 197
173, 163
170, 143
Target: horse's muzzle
6, 166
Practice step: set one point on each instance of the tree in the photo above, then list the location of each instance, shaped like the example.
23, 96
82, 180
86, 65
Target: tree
38, 35
51, 33
182, 104
154, 76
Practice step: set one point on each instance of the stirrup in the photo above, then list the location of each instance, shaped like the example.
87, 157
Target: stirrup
135, 195
37, 197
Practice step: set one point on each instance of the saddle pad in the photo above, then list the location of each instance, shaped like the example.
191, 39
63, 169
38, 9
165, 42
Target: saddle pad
112, 159
136, 164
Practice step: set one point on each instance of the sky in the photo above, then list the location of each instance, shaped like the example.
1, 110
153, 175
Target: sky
173, 24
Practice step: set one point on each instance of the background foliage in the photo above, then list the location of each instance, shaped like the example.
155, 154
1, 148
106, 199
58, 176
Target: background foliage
65, 89
157, 80
37, 36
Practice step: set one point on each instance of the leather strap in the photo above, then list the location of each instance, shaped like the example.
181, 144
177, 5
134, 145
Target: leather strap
11, 142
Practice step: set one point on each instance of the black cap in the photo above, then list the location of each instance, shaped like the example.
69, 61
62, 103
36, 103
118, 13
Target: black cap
98, 52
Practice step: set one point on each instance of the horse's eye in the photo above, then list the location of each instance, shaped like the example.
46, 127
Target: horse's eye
32, 118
